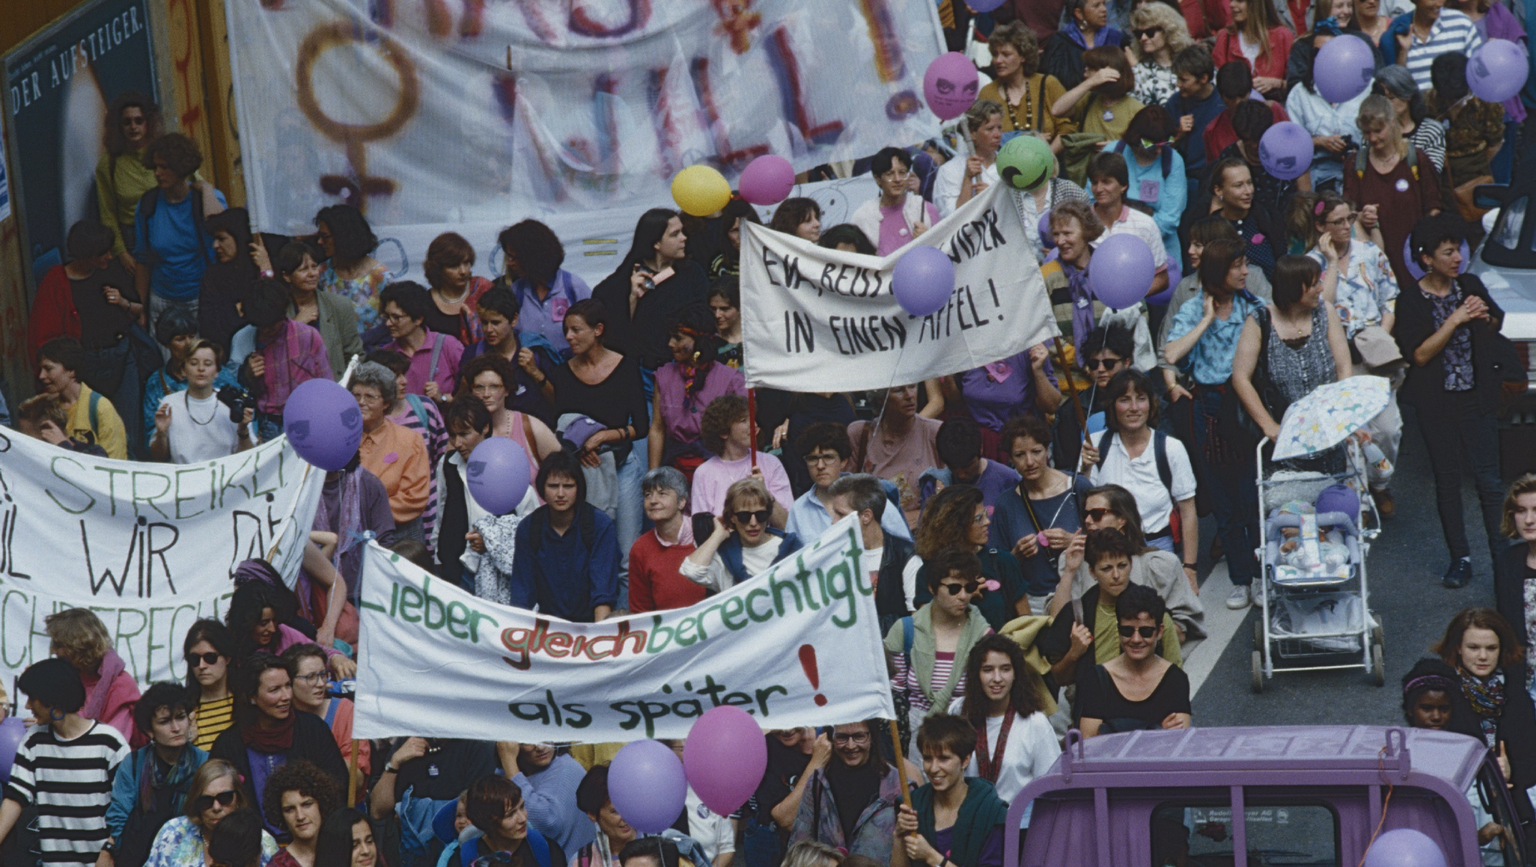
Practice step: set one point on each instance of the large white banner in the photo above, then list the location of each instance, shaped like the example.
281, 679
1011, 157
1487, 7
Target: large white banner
809, 313
149, 547
798, 645
465, 111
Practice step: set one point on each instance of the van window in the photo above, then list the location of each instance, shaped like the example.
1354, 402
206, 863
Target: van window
1495, 822
1279, 835
1507, 233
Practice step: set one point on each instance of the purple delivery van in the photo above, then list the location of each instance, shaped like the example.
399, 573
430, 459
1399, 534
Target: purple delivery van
1283, 796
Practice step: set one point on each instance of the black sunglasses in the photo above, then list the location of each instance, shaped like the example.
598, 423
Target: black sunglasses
208, 658
1145, 631
954, 589
744, 518
1148, 31
1096, 363
224, 799
1098, 514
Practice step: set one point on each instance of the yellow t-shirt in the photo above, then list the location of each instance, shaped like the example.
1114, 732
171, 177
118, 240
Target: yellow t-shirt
213, 717
108, 431
1106, 636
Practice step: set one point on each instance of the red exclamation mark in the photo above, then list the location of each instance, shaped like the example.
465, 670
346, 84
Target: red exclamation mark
808, 662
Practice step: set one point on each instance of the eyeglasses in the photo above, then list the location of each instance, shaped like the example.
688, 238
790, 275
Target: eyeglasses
367, 398
1096, 363
979, 518
955, 589
818, 460
393, 318
896, 175
1147, 32
761, 516
1099, 514
206, 802
1344, 220
859, 739
209, 658
478, 390
311, 679
1149, 144
1143, 631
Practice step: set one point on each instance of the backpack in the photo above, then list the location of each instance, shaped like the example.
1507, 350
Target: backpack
1164, 472
1413, 162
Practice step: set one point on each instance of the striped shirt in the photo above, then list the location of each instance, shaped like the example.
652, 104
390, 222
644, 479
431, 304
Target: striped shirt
1452, 31
70, 782
213, 717
906, 679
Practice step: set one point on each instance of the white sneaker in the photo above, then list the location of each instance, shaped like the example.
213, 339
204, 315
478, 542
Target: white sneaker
1239, 597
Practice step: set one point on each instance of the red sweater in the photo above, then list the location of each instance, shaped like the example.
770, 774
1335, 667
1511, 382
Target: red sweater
1228, 49
655, 580
1220, 133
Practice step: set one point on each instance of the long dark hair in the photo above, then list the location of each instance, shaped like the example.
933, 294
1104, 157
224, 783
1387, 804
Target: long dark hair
216, 634
333, 847
1123, 502
735, 209
1022, 698
649, 230
114, 140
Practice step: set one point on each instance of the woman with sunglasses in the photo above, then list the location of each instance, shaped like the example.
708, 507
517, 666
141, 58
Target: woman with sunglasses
956, 517
208, 649
926, 652
269, 732
215, 793
1158, 32
300, 797
346, 840
151, 785
1113, 507
745, 542
1136, 689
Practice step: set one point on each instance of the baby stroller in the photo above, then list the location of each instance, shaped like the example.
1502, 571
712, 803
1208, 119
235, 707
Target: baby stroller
1315, 604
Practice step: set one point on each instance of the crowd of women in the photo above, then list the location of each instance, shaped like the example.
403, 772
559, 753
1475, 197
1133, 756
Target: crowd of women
1033, 575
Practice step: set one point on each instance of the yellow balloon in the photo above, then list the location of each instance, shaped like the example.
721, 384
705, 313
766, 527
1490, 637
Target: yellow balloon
700, 190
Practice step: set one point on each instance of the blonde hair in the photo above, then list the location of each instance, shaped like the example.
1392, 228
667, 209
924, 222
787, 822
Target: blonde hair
812, 853
1262, 17
43, 407
1526, 484
1376, 110
742, 489
1175, 30
211, 771
79, 637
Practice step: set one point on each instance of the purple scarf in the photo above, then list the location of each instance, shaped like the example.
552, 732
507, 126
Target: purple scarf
347, 528
1082, 313
111, 666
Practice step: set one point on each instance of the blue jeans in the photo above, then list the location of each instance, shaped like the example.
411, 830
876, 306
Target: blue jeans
1457, 431
760, 844
1234, 495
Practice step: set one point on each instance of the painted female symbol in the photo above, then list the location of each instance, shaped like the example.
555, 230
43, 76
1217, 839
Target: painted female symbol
808, 662
352, 136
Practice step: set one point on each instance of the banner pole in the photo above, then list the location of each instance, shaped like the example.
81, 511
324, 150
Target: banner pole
901, 765
1066, 371
752, 423
352, 775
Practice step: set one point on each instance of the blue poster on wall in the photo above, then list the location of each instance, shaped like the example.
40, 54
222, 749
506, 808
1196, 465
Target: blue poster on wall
59, 85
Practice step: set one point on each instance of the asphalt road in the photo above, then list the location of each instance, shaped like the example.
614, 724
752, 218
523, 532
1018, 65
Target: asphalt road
1405, 566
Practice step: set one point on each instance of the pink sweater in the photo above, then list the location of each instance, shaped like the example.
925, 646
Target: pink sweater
122, 695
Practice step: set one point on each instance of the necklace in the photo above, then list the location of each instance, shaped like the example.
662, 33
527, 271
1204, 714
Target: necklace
194, 418
1024, 104
459, 299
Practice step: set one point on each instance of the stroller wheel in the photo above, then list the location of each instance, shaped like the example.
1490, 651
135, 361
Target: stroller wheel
1258, 671
1378, 632
1378, 667
1258, 634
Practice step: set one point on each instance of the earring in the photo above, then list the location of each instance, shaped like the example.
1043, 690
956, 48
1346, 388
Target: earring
55, 715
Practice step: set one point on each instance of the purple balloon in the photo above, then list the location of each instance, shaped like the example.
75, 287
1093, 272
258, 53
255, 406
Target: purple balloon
950, 85
1404, 847
983, 5
12, 732
1121, 271
725, 757
647, 786
923, 280
767, 180
498, 475
1412, 262
1285, 150
1344, 68
1047, 238
1497, 71
1175, 274
324, 424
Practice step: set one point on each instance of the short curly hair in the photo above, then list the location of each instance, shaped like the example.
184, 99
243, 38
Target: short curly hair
715, 423
1021, 39
78, 637
179, 153
306, 779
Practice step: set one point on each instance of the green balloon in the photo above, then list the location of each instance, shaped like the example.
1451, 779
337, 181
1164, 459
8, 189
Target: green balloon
1025, 162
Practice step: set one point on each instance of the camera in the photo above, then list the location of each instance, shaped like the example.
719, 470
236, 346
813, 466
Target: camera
238, 400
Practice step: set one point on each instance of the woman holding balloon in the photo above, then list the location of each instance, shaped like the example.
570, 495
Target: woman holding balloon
959, 179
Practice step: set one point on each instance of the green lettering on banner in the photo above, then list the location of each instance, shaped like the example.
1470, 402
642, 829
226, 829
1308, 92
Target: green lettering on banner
411, 600
53, 466
731, 611
752, 596
177, 499
29, 609
458, 616
138, 497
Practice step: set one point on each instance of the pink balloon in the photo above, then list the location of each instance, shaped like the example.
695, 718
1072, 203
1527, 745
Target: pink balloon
725, 757
767, 180
950, 85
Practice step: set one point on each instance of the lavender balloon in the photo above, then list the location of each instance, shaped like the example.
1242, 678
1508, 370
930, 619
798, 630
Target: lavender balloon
767, 180
725, 757
1404, 847
923, 280
1121, 271
1416, 268
324, 424
1497, 71
12, 732
498, 475
1343, 69
1285, 150
950, 85
647, 786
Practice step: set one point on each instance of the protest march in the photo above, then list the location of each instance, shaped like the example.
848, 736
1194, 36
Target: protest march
636, 433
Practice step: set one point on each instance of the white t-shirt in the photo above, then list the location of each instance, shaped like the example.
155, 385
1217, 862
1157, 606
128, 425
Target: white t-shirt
712, 831
200, 429
1031, 750
946, 187
1140, 477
